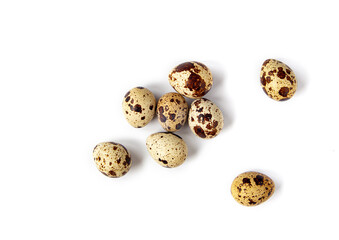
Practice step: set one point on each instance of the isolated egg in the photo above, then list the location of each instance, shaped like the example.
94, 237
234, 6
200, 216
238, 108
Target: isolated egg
172, 111
252, 188
191, 79
205, 119
112, 159
167, 149
277, 80
139, 106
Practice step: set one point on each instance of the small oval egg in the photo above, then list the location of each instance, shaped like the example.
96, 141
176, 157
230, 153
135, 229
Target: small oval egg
112, 159
191, 79
277, 80
172, 111
167, 149
139, 106
205, 118
252, 188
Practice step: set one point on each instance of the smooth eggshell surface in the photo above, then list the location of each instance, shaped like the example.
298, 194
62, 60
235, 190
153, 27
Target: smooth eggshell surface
167, 149
139, 106
277, 80
191, 79
252, 188
112, 159
172, 111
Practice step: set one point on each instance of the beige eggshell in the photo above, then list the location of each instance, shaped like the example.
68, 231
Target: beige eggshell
139, 106
167, 149
205, 119
252, 188
172, 111
112, 159
191, 79
277, 80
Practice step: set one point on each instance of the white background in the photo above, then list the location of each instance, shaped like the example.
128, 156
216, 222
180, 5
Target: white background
64, 68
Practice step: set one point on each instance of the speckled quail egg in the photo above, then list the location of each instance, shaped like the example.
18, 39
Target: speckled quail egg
205, 119
167, 149
277, 80
252, 188
139, 106
191, 79
172, 111
112, 159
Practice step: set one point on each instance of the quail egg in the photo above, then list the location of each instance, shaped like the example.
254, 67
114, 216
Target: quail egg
167, 149
172, 111
205, 119
277, 80
139, 106
112, 159
191, 79
252, 188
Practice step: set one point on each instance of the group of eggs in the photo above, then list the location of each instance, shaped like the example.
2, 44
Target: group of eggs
205, 119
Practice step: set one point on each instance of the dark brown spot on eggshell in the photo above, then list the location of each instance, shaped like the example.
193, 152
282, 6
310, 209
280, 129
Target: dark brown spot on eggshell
268, 79
161, 114
178, 126
127, 94
171, 116
263, 79
281, 74
259, 180
284, 91
202, 65
246, 180
151, 107
137, 108
212, 133
184, 67
266, 62
195, 83
163, 161
199, 131
128, 160
289, 79
127, 99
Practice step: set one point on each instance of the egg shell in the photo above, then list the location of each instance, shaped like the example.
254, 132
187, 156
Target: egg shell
191, 79
112, 159
252, 188
205, 119
139, 106
172, 111
167, 149
277, 80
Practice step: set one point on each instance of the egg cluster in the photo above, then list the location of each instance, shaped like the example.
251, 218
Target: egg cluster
205, 119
